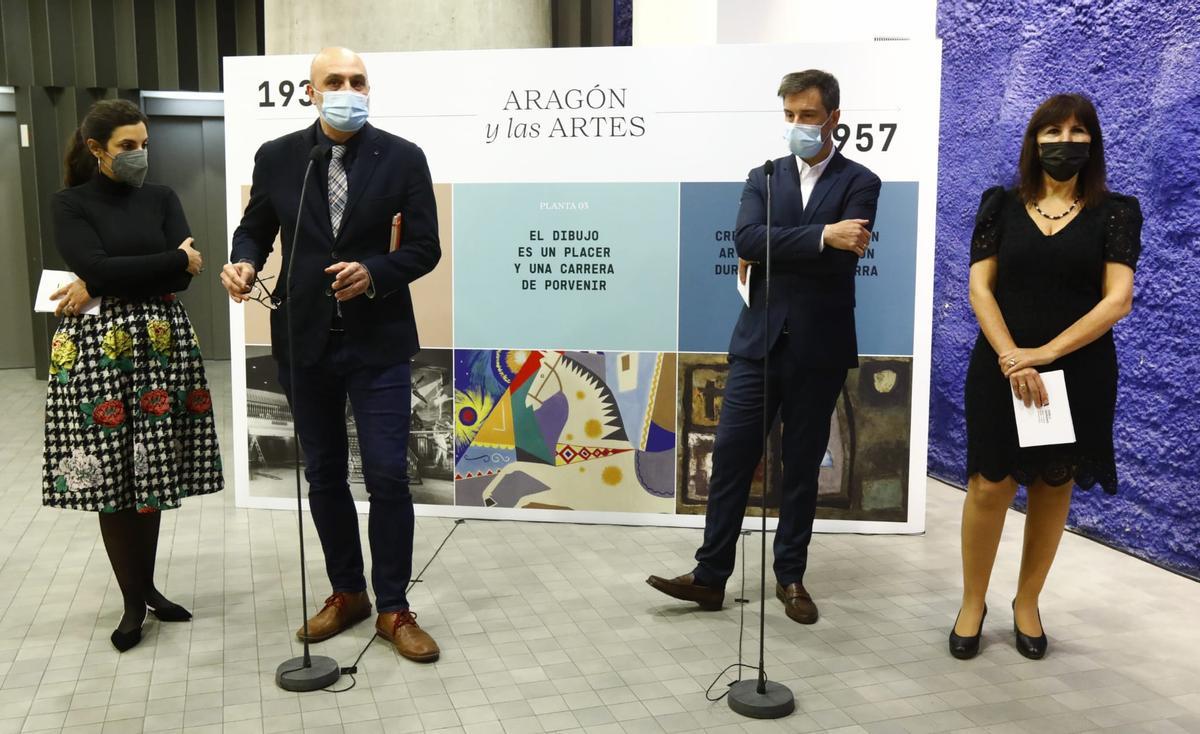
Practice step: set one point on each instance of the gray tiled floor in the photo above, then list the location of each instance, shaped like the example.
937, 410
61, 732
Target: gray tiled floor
550, 628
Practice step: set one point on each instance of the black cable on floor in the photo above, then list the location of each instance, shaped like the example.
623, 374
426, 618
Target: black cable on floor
743, 601
417, 579
739, 666
353, 667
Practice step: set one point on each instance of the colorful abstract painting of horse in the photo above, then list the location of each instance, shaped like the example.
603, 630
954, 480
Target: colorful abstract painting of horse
565, 430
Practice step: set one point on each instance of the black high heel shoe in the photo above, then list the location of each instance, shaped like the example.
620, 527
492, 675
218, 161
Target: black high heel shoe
965, 648
170, 613
1031, 647
124, 641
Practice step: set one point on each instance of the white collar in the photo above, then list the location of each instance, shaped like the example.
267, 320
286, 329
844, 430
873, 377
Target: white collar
814, 170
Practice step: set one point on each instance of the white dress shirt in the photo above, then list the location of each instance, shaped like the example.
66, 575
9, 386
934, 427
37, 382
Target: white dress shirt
809, 175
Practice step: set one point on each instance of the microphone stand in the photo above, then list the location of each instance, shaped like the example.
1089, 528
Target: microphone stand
762, 698
307, 672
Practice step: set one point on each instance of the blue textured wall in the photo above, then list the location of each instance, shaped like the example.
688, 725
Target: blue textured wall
622, 22
1140, 62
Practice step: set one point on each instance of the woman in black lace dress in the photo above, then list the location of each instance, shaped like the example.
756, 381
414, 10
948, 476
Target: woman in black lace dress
1051, 272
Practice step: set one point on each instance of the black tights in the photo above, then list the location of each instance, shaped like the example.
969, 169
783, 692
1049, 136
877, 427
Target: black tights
131, 540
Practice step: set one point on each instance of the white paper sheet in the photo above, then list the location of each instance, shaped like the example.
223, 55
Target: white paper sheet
744, 288
1049, 425
51, 281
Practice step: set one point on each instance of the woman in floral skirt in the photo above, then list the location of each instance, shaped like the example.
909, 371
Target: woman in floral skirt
129, 422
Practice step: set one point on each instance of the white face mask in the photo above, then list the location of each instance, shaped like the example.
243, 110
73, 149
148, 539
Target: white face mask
804, 140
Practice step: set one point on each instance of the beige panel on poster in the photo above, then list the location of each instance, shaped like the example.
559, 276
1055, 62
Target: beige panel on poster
258, 317
432, 298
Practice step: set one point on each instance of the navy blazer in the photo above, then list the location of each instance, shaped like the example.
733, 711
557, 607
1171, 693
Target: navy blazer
390, 175
812, 290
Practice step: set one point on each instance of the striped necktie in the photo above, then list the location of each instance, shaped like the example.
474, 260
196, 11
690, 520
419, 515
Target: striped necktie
337, 188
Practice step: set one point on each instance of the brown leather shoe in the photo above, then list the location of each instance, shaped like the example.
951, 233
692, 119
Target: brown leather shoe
797, 603
685, 587
412, 642
342, 611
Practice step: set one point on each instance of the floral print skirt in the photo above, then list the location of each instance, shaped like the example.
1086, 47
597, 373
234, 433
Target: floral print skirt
129, 420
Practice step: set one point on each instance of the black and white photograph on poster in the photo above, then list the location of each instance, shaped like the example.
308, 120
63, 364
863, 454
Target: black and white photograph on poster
430, 443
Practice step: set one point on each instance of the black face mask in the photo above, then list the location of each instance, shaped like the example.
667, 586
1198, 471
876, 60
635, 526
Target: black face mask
1063, 160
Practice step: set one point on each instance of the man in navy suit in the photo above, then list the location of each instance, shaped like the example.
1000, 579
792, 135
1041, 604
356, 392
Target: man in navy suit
822, 207
352, 331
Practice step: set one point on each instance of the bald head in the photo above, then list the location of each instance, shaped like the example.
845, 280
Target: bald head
338, 68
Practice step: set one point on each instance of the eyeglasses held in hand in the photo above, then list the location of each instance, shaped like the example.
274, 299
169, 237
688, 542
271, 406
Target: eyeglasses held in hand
263, 295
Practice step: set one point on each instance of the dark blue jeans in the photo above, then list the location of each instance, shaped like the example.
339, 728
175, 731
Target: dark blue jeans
807, 397
381, 398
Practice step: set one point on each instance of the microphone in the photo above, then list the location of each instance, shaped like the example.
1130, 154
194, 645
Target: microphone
761, 688
307, 672
318, 152
762, 698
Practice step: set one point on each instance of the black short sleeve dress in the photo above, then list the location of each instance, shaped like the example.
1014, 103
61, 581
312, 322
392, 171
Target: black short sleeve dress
1044, 283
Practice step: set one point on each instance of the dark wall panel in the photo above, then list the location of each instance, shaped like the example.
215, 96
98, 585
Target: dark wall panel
125, 46
103, 34
83, 39
187, 59
61, 56
16, 330
18, 42
145, 29
208, 71
52, 34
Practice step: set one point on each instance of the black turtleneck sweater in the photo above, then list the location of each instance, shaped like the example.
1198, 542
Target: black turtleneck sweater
122, 241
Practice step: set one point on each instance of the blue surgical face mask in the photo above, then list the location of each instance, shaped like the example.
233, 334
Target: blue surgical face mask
804, 140
344, 110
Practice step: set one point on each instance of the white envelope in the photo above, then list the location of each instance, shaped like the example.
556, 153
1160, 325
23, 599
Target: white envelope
1049, 425
51, 281
744, 288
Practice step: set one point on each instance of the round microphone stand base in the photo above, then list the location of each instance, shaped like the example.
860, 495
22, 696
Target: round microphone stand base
293, 675
776, 703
